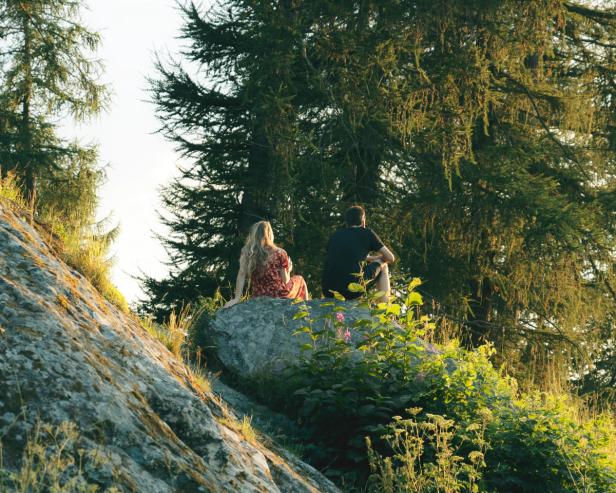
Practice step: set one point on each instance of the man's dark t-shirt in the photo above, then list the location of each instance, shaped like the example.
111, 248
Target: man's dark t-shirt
347, 248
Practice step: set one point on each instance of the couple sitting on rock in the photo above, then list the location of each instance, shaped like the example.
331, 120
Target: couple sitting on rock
268, 267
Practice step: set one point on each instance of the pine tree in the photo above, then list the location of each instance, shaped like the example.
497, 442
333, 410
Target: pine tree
518, 242
47, 71
231, 111
261, 125
481, 134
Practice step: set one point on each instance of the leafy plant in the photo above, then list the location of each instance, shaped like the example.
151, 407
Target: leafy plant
355, 378
423, 458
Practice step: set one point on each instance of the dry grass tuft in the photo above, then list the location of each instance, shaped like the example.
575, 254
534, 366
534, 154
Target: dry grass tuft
52, 461
87, 253
173, 335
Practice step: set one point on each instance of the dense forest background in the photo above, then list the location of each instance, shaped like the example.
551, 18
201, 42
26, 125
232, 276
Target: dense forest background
479, 135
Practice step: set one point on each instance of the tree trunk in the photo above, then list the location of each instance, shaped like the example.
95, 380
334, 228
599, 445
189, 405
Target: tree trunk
256, 199
367, 167
28, 165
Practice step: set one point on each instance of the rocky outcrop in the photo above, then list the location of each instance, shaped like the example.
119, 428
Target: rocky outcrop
68, 355
259, 335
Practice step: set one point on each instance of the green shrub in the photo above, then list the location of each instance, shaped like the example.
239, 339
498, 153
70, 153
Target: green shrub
88, 254
537, 444
353, 380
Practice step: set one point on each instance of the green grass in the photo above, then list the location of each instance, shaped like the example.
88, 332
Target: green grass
85, 252
52, 461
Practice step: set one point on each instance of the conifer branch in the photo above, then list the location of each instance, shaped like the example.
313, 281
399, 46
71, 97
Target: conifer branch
545, 126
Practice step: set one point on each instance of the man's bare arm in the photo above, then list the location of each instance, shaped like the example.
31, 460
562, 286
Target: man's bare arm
385, 255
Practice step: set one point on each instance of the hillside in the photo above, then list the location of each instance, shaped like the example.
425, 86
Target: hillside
107, 405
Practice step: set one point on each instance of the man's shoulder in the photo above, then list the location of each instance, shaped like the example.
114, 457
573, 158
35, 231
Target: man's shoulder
353, 231
339, 232
369, 233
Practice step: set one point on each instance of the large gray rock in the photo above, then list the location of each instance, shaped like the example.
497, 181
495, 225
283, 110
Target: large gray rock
68, 355
260, 335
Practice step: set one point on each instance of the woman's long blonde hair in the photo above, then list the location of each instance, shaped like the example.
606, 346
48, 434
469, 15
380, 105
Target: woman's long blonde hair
258, 247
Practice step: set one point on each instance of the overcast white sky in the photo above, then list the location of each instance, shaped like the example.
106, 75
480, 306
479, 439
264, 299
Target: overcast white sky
140, 162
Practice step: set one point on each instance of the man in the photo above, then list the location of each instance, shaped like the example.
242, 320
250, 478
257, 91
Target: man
348, 249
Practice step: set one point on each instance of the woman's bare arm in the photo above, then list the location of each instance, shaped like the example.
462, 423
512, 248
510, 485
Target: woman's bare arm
239, 284
285, 274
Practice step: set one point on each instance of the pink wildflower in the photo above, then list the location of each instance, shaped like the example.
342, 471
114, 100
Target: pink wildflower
347, 336
340, 316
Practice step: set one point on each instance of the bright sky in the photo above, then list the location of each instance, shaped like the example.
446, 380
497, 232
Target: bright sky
139, 161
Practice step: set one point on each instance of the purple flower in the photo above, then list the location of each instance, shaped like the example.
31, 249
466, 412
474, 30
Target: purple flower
347, 336
431, 349
340, 316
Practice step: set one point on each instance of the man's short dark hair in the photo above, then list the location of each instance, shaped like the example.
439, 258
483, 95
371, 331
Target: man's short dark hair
354, 215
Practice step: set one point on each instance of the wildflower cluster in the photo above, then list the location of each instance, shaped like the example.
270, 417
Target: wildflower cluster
342, 331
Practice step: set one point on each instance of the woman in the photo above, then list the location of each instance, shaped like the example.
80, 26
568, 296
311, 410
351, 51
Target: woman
268, 267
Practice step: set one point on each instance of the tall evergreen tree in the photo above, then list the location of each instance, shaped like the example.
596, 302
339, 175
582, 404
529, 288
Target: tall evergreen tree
232, 112
48, 71
519, 242
481, 134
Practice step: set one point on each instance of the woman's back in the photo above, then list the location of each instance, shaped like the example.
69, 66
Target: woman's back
267, 267
266, 279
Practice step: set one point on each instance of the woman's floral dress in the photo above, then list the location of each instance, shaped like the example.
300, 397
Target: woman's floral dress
266, 280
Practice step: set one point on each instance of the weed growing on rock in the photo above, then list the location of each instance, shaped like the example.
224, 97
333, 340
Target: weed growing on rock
243, 427
52, 462
172, 333
82, 245
174, 336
